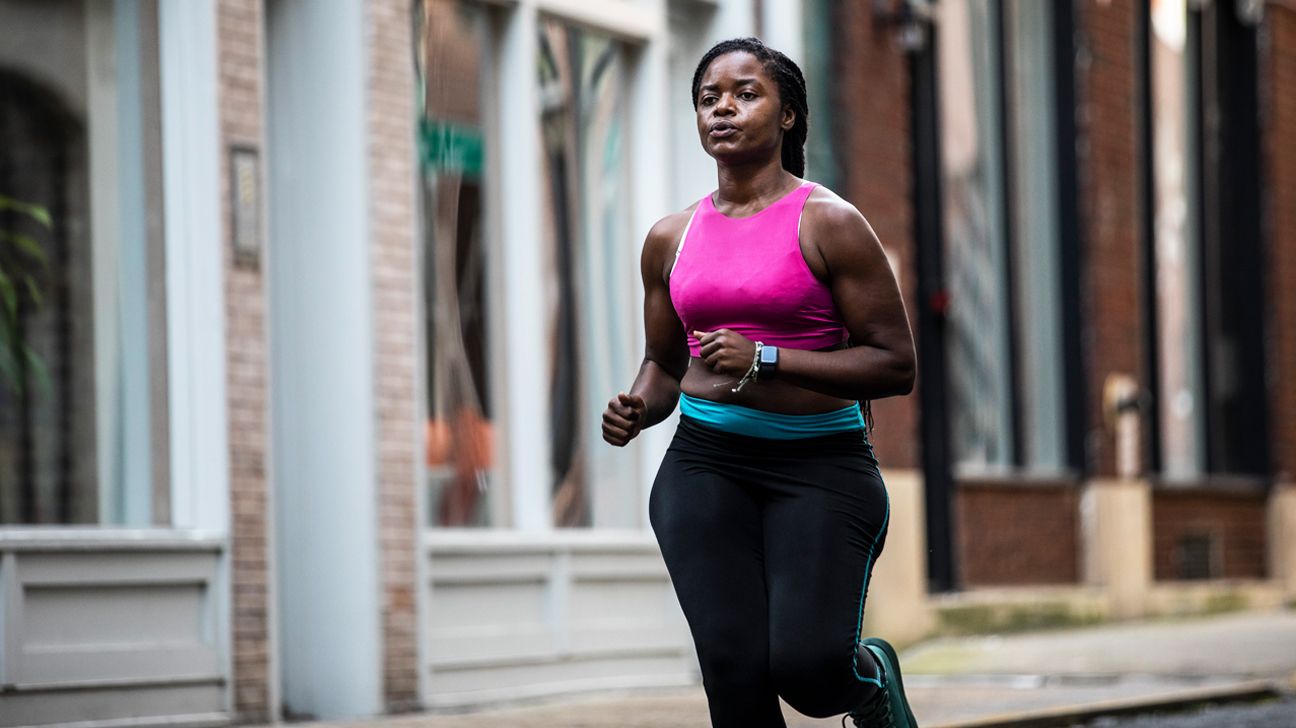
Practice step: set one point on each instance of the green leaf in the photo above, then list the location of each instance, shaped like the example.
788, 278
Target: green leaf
33, 291
35, 212
36, 369
9, 370
9, 297
26, 244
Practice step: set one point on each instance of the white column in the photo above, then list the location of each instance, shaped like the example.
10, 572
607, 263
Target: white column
195, 294
782, 27
651, 105
322, 344
194, 267
523, 317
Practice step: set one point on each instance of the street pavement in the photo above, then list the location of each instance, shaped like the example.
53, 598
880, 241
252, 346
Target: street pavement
966, 681
1269, 714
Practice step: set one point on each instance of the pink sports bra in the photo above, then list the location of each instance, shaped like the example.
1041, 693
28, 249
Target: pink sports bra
748, 274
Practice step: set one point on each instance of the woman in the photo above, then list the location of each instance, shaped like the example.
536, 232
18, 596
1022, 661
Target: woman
769, 506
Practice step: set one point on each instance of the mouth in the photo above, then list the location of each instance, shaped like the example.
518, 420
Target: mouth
722, 129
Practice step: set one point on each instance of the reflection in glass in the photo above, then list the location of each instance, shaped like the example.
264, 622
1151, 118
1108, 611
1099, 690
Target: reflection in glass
975, 235
592, 276
1036, 258
459, 431
83, 422
1181, 419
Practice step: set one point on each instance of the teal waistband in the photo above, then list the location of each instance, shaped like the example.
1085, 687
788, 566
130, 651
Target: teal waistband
757, 423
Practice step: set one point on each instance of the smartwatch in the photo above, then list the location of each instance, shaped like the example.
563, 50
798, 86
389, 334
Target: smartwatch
769, 357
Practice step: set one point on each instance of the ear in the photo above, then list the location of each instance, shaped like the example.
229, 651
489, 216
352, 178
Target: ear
789, 118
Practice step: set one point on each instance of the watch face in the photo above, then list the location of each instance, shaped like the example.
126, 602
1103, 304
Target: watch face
769, 355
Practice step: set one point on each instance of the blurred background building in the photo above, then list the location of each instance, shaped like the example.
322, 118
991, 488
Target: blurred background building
310, 311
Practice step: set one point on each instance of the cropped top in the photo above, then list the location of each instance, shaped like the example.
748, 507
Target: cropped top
748, 274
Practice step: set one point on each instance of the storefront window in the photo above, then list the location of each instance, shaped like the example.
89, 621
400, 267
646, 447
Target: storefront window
1036, 234
460, 435
1178, 325
593, 266
83, 423
1001, 232
975, 235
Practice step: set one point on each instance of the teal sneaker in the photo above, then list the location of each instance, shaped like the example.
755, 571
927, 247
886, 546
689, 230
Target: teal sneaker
893, 688
876, 713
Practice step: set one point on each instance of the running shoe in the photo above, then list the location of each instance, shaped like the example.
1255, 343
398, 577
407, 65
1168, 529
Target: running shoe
875, 713
896, 712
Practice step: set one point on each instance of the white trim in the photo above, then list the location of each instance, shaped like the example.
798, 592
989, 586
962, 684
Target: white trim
782, 28
195, 290
524, 409
114, 539
475, 541
679, 248
105, 244
194, 266
634, 21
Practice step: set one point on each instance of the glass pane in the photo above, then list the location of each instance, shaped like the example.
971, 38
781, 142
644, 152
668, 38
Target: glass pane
83, 428
1177, 256
460, 437
975, 237
1028, 29
592, 266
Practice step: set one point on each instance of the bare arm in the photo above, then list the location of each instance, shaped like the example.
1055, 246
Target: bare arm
656, 388
881, 362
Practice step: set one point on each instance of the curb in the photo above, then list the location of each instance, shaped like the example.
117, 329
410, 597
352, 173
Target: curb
1066, 716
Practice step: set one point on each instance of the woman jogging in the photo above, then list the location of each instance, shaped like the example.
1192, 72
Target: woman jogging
769, 506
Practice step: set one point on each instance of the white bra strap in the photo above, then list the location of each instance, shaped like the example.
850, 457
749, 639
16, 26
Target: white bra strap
683, 237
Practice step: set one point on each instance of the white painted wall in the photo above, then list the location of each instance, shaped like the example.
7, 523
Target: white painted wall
321, 352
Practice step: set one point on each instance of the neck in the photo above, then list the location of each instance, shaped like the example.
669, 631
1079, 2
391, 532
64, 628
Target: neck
747, 184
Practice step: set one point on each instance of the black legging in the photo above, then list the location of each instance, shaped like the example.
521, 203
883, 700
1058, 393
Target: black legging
770, 545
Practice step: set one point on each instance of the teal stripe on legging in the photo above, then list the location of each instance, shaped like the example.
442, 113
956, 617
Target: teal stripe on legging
868, 567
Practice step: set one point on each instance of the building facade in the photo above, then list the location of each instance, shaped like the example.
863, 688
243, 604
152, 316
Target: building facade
316, 306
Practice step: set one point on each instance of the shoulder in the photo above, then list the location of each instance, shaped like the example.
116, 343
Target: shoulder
827, 216
837, 232
664, 235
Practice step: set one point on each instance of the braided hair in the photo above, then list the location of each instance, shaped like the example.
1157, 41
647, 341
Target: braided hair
791, 88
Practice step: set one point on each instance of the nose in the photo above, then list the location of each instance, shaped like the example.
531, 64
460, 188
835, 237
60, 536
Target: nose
725, 104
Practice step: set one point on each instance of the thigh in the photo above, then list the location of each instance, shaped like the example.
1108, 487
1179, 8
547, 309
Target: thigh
825, 527
710, 531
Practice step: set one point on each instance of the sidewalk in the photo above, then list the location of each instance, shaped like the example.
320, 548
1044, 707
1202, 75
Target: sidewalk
965, 680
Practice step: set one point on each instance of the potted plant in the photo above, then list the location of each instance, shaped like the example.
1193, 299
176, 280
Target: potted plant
22, 259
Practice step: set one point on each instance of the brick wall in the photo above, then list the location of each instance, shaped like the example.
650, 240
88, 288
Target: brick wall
1235, 523
394, 259
1278, 99
240, 40
1011, 534
1108, 158
871, 130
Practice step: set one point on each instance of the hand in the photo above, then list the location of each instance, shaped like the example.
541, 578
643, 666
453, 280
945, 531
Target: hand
725, 351
623, 418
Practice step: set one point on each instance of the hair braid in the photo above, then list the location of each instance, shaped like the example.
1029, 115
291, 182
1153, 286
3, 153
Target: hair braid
791, 87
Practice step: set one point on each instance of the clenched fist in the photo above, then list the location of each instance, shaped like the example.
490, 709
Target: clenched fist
623, 418
725, 351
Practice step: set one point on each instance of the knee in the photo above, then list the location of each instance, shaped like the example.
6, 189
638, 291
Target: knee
733, 663
812, 679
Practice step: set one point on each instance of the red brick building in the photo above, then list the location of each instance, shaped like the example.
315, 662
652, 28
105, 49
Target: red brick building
1082, 196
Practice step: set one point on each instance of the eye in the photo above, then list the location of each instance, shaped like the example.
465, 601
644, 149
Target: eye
746, 95
708, 100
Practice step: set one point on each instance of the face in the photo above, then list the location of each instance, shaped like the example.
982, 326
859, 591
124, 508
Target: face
739, 114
